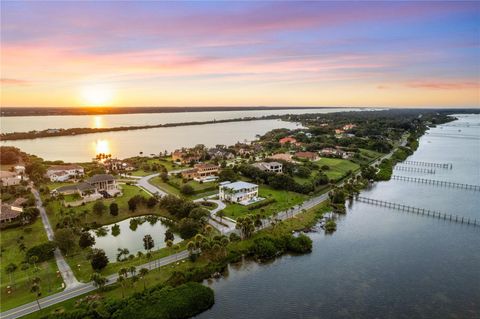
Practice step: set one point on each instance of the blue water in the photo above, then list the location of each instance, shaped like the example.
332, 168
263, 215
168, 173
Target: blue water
380, 263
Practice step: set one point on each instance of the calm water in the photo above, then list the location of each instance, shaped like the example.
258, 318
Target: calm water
131, 239
30, 123
380, 263
123, 144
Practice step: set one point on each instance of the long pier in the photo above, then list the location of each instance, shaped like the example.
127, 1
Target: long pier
436, 182
429, 164
414, 169
420, 211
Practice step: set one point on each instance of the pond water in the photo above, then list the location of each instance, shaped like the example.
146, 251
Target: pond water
131, 237
380, 263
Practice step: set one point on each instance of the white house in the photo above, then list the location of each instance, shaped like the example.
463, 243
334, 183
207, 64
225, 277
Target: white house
10, 178
274, 167
62, 173
238, 192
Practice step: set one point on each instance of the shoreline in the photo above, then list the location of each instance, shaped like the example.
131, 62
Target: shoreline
16, 136
74, 111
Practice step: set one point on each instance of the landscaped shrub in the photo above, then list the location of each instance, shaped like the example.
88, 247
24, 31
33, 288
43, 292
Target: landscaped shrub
43, 251
300, 245
158, 302
261, 204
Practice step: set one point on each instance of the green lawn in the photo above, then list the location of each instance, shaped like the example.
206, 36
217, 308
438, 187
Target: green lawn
10, 253
337, 167
82, 269
201, 189
55, 208
284, 200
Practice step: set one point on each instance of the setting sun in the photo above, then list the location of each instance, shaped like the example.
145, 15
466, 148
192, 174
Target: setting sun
97, 96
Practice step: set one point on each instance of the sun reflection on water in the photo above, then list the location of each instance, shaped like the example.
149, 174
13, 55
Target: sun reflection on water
102, 149
97, 121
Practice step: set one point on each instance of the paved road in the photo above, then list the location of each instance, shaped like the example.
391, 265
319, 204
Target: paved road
65, 270
225, 226
143, 182
83, 288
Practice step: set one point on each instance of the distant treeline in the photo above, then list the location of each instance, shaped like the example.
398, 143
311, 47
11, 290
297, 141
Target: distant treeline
42, 111
89, 130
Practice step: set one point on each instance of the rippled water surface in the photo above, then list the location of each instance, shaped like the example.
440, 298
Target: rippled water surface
380, 263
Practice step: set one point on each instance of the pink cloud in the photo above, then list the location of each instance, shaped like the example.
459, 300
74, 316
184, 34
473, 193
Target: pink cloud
441, 85
5, 81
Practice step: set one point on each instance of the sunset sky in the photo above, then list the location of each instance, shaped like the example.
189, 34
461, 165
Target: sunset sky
240, 54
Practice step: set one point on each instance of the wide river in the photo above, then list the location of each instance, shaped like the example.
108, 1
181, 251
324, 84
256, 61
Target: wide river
123, 144
380, 263
30, 123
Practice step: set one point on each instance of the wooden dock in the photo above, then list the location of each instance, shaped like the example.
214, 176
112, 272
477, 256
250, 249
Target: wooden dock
436, 182
414, 169
429, 164
421, 211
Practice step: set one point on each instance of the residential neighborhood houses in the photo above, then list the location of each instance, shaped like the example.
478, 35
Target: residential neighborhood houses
289, 139
9, 212
239, 192
274, 167
63, 173
96, 187
201, 172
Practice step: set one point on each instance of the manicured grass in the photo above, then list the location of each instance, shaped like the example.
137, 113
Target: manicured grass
201, 189
338, 168
284, 200
55, 207
11, 253
84, 272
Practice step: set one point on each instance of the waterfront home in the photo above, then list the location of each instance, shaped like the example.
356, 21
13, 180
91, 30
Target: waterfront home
9, 213
186, 156
96, 187
290, 140
117, 165
274, 167
104, 183
238, 192
336, 152
62, 173
220, 153
10, 178
282, 157
348, 127
19, 169
201, 171
311, 156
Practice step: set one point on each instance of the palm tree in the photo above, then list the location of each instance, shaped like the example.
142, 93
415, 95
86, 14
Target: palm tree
121, 280
191, 247
208, 230
122, 252
132, 270
10, 269
33, 260
134, 280
98, 280
169, 243
35, 289
25, 266
143, 272
123, 272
